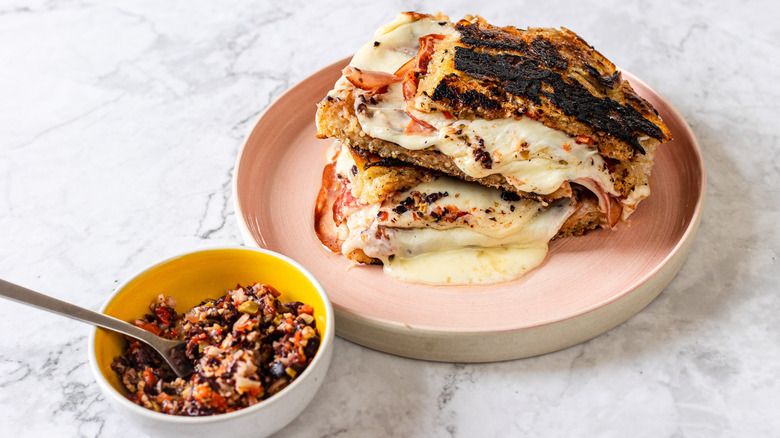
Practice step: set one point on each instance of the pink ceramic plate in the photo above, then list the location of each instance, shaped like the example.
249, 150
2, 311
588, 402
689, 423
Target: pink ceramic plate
587, 285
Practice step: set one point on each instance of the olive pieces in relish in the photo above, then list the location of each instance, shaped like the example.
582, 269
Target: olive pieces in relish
245, 347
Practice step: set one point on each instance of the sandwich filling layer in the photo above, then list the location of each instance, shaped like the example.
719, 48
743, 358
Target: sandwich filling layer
531, 156
443, 230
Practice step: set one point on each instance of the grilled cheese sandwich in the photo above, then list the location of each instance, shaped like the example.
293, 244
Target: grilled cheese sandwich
529, 120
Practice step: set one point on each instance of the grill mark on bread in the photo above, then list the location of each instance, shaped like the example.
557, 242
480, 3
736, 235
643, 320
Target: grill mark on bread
490, 39
608, 81
540, 48
554, 64
530, 80
445, 91
549, 54
385, 162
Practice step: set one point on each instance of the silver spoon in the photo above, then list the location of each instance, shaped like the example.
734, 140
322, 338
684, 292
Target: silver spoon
172, 351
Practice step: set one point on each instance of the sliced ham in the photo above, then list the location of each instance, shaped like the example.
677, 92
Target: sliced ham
345, 204
369, 80
406, 68
607, 203
416, 66
419, 127
323, 221
376, 82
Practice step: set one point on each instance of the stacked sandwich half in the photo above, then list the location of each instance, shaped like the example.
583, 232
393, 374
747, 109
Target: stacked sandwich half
462, 149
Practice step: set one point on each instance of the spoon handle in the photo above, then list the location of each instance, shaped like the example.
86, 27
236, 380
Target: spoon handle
45, 302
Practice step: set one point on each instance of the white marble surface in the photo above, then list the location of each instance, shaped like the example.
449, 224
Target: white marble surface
120, 123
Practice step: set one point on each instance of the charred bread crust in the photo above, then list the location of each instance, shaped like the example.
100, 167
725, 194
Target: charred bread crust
551, 75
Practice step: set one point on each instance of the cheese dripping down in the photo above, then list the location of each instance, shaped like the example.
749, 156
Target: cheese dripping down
447, 231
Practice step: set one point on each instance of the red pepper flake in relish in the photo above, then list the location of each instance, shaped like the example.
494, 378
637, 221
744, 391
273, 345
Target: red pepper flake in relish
246, 346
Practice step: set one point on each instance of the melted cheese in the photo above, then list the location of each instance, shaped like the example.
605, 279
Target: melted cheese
397, 42
467, 266
636, 195
491, 240
531, 156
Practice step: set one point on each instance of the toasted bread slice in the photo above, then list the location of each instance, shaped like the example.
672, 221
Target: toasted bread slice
484, 72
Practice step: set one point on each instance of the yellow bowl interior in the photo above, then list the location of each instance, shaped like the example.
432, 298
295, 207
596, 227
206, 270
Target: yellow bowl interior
194, 277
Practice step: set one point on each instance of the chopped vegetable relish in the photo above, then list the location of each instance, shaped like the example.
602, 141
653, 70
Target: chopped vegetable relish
246, 346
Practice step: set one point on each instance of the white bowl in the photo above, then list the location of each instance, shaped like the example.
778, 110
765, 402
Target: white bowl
191, 278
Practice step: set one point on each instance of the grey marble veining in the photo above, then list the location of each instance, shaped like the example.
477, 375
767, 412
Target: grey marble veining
120, 123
